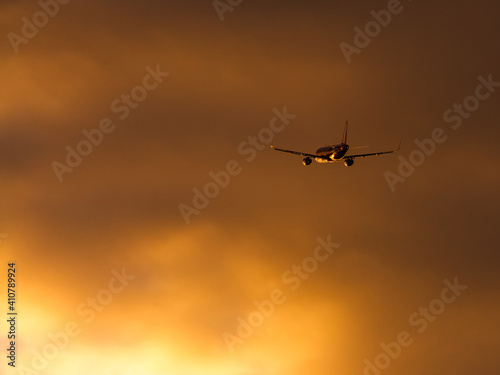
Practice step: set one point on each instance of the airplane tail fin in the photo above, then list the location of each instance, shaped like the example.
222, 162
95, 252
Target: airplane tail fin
344, 136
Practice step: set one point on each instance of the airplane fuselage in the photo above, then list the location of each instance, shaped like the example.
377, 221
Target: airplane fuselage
333, 153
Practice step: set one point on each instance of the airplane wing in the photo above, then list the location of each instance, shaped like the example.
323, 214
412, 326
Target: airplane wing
297, 152
364, 155
371, 154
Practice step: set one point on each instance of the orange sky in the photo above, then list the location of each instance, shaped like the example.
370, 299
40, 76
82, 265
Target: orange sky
109, 270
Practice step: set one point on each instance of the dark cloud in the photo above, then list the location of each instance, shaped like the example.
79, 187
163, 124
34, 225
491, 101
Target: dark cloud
119, 207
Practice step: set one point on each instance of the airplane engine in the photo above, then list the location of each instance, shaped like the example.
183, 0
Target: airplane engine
348, 162
307, 161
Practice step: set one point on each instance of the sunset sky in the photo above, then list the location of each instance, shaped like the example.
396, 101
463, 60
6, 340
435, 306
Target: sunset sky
155, 231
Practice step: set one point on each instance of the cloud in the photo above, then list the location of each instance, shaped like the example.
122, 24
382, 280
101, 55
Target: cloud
119, 207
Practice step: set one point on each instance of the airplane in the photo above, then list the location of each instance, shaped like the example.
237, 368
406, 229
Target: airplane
334, 153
